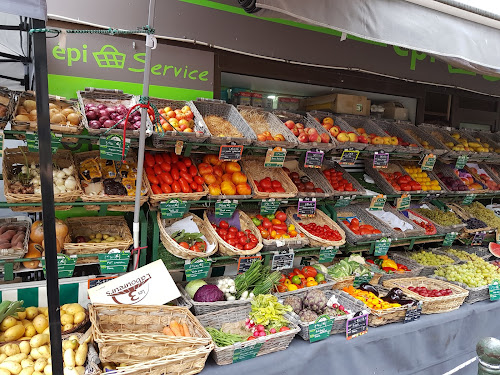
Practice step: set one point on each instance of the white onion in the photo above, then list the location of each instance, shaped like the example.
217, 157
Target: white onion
70, 184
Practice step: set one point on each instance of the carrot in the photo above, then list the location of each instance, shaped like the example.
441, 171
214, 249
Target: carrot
186, 330
168, 331
176, 328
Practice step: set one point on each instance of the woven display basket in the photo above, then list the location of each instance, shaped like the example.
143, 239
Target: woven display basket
339, 322
177, 250
17, 221
380, 180
444, 137
413, 216
133, 334
471, 136
427, 141
211, 107
255, 171
441, 229
355, 184
310, 174
8, 99
109, 98
55, 127
382, 317
370, 127
270, 343
482, 172
320, 218
272, 124
80, 328
201, 308
245, 223
85, 226
431, 174
414, 268
308, 122
392, 128
464, 215
429, 270
447, 170
163, 139
21, 155
341, 283
493, 171
486, 137
110, 199
354, 210
475, 294
481, 251
328, 285
431, 305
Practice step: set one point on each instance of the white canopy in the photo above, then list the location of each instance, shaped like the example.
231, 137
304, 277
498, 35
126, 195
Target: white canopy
27, 8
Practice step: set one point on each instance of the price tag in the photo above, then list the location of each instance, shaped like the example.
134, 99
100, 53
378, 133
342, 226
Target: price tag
343, 202
197, 268
413, 312
320, 329
230, 152
33, 142
403, 202
380, 160
275, 157
494, 289
1, 142
377, 203
461, 161
427, 162
349, 157
306, 207
65, 265
111, 146
358, 280
173, 208
244, 263
478, 238
246, 352
356, 326
283, 260
314, 159
469, 198
269, 207
178, 147
114, 262
326, 254
382, 246
225, 209
449, 238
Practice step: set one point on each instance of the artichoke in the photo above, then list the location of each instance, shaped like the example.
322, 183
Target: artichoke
308, 315
315, 300
294, 302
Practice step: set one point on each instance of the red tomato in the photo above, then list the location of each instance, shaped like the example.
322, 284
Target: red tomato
166, 167
176, 187
187, 161
158, 159
167, 178
242, 240
280, 215
233, 230
231, 241
184, 186
166, 189
199, 189
309, 271
157, 169
186, 176
199, 180
181, 166
149, 159
156, 189
153, 179
192, 170
175, 173
224, 224
194, 186
167, 158
249, 246
174, 157
196, 248
185, 245
222, 231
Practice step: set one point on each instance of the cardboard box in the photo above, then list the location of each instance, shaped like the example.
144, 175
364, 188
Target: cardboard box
340, 103
395, 111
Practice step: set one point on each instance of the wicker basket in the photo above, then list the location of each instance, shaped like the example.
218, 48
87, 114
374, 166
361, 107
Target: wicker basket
431, 174
17, 221
441, 229
475, 294
444, 137
313, 175
85, 226
328, 285
185, 363
344, 282
81, 327
201, 308
177, 250
245, 223
380, 180
363, 217
110, 199
110, 98
9, 100
479, 170
210, 107
270, 343
339, 322
431, 305
447, 170
254, 168
308, 122
355, 184
320, 219
21, 155
485, 137
414, 269
382, 317
429, 270
413, 216
392, 128
56, 128
133, 334
272, 124
464, 215
163, 139
428, 142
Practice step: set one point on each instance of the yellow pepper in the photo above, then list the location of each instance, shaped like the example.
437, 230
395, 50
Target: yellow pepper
390, 264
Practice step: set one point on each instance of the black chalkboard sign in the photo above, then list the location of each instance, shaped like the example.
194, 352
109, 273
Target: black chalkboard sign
380, 160
282, 261
349, 157
244, 263
99, 280
356, 326
230, 153
306, 207
314, 159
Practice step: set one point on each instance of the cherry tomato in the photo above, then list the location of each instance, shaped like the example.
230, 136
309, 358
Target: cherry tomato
224, 224
156, 189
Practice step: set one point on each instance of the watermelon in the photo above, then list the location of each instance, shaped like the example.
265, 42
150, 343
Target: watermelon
494, 249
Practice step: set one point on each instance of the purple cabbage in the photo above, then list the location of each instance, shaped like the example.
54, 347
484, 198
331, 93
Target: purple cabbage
208, 293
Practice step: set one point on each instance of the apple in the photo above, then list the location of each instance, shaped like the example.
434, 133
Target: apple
189, 115
302, 131
290, 124
173, 121
295, 132
353, 137
387, 140
314, 136
360, 130
325, 138
343, 137
299, 125
167, 109
185, 109
377, 140
327, 126
335, 130
394, 141
171, 114
303, 138
184, 122
183, 127
328, 120
362, 139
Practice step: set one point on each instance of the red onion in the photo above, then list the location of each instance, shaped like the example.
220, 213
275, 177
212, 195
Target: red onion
113, 115
103, 112
91, 115
103, 118
102, 106
119, 117
88, 105
108, 123
94, 124
137, 125
136, 118
110, 110
120, 125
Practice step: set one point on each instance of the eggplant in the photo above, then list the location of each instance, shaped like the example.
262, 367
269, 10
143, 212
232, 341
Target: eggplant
405, 301
369, 288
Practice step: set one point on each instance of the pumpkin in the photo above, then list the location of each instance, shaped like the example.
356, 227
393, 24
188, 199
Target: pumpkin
34, 251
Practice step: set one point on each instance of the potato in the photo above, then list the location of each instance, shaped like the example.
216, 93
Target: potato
4, 372
17, 358
62, 312
14, 333
29, 105
27, 363
79, 317
48, 370
3, 356
81, 355
27, 371
8, 322
35, 354
39, 340
80, 370
30, 331
69, 358
26, 322
11, 349
67, 327
44, 351
40, 364
21, 315
40, 322
67, 319
37, 373
31, 312
46, 331
74, 308
44, 311
14, 367
25, 347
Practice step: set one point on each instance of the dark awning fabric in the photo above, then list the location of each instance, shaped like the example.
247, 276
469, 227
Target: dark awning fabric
472, 45
27, 8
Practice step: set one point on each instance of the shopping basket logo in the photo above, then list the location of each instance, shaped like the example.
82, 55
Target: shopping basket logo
109, 57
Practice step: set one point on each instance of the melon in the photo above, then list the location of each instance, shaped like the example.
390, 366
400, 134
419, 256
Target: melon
494, 249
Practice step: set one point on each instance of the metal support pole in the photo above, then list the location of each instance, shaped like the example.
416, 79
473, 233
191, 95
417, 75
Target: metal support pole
142, 136
49, 217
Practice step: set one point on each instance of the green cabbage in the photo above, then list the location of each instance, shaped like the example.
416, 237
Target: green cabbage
193, 286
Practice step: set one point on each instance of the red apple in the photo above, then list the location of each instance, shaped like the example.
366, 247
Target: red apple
303, 138
314, 136
327, 126
325, 138
299, 125
335, 130
295, 132
290, 124
362, 139
185, 109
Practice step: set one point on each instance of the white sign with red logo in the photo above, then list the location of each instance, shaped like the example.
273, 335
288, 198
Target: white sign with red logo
148, 285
